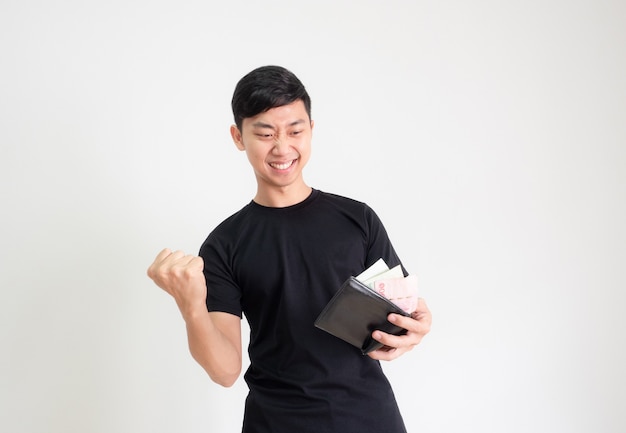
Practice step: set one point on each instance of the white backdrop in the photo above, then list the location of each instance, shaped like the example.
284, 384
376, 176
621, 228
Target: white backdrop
489, 136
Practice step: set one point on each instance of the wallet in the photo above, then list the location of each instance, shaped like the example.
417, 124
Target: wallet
355, 311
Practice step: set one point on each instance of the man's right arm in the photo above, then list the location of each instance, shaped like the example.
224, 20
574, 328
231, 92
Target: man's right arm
214, 338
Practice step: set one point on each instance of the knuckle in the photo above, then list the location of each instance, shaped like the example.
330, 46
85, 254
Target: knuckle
187, 272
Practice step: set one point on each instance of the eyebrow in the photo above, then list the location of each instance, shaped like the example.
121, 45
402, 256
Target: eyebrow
267, 125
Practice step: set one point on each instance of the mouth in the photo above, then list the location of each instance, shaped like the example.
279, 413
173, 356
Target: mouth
282, 165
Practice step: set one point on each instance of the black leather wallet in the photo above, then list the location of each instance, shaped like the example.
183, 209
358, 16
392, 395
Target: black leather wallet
355, 311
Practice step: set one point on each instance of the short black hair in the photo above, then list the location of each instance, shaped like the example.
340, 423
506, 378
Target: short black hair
264, 88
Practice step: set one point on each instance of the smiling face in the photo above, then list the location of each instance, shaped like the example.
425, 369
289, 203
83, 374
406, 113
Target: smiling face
277, 143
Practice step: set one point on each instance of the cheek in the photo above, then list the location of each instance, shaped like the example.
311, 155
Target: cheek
255, 149
305, 148
256, 156
303, 143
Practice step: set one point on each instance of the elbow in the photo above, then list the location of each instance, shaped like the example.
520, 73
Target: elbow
226, 380
226, 383
225, 377
224, 373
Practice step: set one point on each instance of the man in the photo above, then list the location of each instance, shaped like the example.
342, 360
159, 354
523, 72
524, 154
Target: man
278, 261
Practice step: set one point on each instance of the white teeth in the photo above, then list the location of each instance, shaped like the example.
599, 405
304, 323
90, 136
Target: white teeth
282, 166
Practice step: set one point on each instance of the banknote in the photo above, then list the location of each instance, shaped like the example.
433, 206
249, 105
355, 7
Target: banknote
377, 268
402, 291
395, 272
391, 284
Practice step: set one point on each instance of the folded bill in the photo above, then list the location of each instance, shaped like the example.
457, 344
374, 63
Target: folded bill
395, 272
402, 291
392, 284
377, 268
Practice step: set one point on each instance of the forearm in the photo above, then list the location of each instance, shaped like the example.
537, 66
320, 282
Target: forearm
216, 351
214, 338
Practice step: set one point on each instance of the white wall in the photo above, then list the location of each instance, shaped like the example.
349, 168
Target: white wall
489, 136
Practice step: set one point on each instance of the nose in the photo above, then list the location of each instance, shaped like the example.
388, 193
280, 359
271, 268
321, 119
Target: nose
280, 144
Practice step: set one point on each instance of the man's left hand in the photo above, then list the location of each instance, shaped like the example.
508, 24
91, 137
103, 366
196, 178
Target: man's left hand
417, 326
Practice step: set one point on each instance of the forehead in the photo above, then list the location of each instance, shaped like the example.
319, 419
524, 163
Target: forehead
279, 117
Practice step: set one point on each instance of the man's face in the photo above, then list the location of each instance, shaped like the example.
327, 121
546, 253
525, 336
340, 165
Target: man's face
277, 143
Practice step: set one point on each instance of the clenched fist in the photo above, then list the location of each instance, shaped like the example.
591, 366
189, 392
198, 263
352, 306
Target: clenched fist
181, 276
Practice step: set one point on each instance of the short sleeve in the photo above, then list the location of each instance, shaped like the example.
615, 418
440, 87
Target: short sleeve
223, 294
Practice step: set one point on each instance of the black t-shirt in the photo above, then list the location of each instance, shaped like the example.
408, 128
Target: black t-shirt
279, 267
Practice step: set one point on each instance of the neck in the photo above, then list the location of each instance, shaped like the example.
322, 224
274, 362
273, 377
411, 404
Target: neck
282, 197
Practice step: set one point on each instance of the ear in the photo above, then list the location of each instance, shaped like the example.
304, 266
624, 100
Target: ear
235, 133
312, 124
